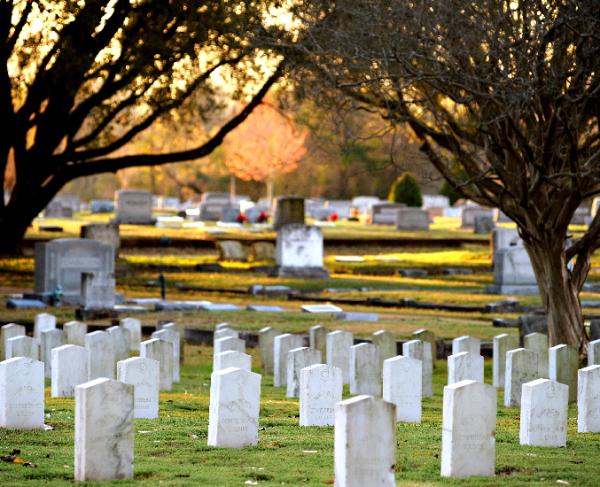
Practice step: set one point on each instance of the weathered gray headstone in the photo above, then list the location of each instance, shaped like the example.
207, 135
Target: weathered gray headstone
402, 386
594, 352
365, 442
75, 332
133, 206
563, 362
297, 359
21, 393
483, 224
538, 342
104, 412
69, 369
161, 351
420, 350
171, 336
465, 366
338, 352
97, 291
288, 210
266, 344
412, 219
61, 262
502, 344
282, 345
365, 369
50, 339
144, 375
386, 341
385, 213
234, 408
101, 359
469, 214
320, 390
427, 336
588, 399
522, 366
318, 339
544, 411
468, 430
134, 327
513, 273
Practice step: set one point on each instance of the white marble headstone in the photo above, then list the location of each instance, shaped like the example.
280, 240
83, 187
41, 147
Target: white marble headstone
43, 322
232, 358
234, 408
544, 411
502, 344
134, 326
11, 330
365, 442
402, 377
144, 375
103, 430
466, 344
121, 342
23, 346
21, 393
266, 342
386, 341
538, 342
468, 430
320, 390
318, 339
75, 332
101, 359
161, 351
365, 369
282, 344
563, 362
588, 400
594, 352
522, 365
226, 344
297, 359
50, 339
338, 352
69, 369
421, 350
224, 333
465, 366
171, 336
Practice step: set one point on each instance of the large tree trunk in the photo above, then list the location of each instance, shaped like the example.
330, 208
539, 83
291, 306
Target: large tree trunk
16, 217
559, 293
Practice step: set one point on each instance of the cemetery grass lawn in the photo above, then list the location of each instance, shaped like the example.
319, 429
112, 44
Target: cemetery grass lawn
172, 450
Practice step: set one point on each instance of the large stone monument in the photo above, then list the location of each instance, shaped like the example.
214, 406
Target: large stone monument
513, 273
61, 262
288, 210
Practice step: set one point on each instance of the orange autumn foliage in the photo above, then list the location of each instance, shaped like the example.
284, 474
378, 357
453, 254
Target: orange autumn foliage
267, 144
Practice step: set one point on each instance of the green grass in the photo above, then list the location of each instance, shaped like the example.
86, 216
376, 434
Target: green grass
172, 450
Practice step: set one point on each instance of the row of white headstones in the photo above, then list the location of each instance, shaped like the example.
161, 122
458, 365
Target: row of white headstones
235, 392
